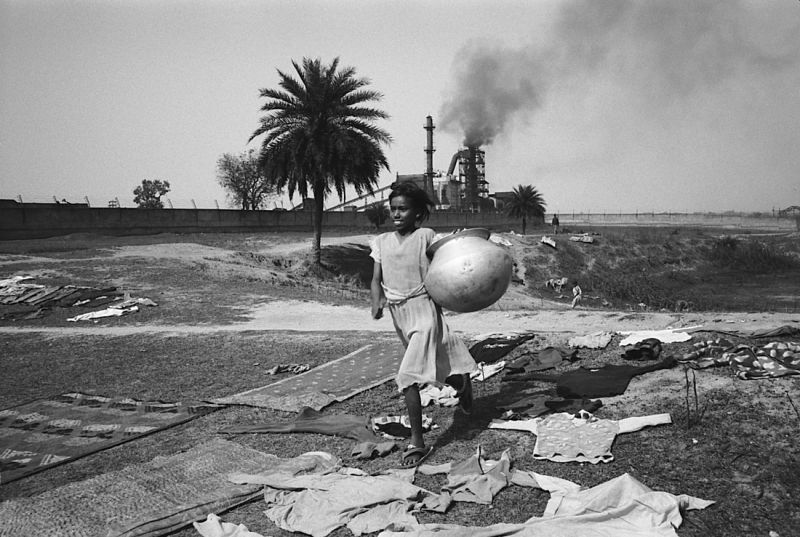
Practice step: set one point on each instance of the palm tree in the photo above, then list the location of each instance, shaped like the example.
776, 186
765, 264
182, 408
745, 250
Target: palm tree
525, 202
319, 135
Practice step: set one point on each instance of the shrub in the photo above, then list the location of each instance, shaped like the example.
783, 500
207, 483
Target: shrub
750, 256
377, 213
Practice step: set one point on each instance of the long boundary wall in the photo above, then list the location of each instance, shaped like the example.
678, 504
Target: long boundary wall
25, 222
743, 221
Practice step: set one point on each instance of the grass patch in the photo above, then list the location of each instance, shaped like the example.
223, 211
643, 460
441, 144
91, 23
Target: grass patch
675, 269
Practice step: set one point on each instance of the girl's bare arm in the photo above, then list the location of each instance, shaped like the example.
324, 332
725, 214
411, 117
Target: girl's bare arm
376, 292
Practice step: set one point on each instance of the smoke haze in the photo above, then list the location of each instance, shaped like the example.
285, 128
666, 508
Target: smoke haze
661, 51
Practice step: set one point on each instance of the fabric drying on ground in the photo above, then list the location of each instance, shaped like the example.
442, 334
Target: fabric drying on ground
668, 335
620, 507
546, 358
492, 349
309, 420
595, 340
747, 362
146, 500
605, 381
347, 497
564, 437
337, 380
46, 432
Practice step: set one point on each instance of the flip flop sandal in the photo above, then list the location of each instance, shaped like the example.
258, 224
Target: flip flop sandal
407, 458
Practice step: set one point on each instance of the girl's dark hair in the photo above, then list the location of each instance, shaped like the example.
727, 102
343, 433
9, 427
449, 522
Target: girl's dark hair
421, 202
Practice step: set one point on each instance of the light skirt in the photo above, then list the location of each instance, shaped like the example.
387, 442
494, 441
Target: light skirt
433, 353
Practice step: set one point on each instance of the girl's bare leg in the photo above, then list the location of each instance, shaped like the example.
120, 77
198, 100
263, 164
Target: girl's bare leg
414, 407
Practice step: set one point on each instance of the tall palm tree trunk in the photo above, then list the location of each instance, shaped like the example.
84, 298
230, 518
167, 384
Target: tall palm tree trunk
523, 225
319, 206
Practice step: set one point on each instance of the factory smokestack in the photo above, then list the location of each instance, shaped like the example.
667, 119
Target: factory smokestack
471, 186
429, 156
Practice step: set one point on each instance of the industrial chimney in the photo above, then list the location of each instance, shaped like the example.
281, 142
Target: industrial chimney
429, 174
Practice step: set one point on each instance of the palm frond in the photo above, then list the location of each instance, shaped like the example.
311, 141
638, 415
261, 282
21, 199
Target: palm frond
318, 135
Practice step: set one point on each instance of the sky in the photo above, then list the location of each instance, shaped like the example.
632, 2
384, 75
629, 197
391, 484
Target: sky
603, 106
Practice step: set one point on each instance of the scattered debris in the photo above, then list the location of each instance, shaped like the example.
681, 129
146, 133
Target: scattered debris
556, 284
583, 237
295, 369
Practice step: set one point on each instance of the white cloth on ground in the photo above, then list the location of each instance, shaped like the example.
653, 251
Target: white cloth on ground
319, 504
475, 479
486, 371
212, 526
668, 335
621, 507
108, 312
595, 340
128, 302
444, 395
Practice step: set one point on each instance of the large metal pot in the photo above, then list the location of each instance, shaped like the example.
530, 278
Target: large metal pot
467, 271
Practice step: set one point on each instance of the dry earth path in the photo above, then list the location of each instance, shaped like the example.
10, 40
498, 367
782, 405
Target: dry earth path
305, 316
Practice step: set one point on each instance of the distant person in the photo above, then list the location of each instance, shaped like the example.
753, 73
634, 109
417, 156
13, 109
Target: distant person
555, 224
433, 353
577, 294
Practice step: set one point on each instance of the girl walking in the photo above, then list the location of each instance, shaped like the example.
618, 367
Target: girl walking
433, 353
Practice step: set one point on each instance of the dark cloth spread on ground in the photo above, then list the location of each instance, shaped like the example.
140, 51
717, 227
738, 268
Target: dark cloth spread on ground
605, 381
546, 358
309, 420
541, 402
647, 349
493, 348
762, 333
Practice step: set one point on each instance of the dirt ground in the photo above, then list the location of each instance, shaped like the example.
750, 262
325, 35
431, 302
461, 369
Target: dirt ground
216, 292
273, 258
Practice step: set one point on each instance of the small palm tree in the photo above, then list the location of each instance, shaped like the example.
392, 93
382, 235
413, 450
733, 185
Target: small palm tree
319, 135
526, 202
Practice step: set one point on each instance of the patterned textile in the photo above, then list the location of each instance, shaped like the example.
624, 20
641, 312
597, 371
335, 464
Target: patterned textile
38, 435
398, 427
563, 437
707, 353
149, 499
747, 362
771, 360
337, 380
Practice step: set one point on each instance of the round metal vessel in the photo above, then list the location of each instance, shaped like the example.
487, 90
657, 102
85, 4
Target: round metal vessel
467, 271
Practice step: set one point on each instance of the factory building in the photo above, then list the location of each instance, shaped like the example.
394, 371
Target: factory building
464, 187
